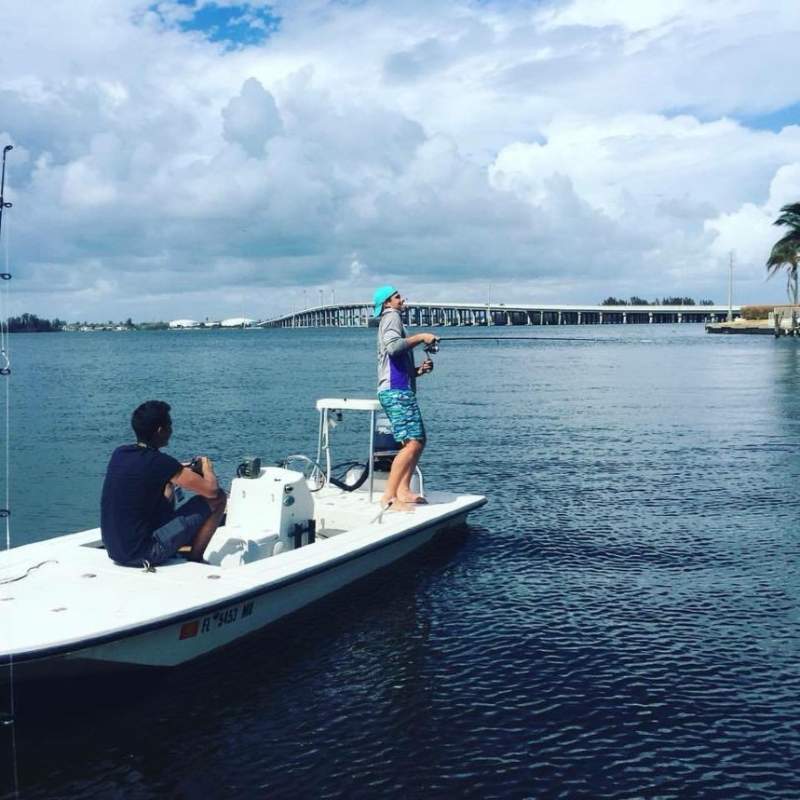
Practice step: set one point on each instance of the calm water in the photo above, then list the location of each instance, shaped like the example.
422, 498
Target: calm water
620, 621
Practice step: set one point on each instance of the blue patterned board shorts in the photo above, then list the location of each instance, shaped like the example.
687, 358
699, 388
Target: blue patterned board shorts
404, 415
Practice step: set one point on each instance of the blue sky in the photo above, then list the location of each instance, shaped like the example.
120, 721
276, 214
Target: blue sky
775, 120
234, 25
221, 159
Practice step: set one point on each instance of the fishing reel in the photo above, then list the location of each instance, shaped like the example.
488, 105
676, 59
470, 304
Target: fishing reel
430, 349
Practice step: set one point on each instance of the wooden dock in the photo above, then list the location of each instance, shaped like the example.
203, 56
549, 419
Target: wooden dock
782, 321
751, 326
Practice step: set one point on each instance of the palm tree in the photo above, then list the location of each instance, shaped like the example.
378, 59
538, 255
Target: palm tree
786, 251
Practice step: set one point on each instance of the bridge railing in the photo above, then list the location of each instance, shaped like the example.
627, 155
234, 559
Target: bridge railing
466, 314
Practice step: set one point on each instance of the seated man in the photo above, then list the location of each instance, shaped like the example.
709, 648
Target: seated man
139, 525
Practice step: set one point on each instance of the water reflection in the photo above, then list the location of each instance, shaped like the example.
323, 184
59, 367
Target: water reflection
365, 647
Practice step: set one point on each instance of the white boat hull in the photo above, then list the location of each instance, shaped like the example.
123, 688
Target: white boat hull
165, 647
199, 630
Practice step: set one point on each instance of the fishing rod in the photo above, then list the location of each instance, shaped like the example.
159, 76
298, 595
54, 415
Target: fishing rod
7, 719
3, 203
523, 338
434, 346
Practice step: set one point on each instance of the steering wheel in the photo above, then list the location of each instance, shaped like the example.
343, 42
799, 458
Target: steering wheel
311, 470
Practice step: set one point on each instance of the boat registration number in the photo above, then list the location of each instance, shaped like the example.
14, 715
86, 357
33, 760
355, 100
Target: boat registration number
218, 619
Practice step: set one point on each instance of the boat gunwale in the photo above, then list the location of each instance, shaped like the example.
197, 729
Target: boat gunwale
77, 646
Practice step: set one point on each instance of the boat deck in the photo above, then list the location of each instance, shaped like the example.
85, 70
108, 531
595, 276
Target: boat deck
60, 592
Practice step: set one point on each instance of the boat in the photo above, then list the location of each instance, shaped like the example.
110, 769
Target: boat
292, 535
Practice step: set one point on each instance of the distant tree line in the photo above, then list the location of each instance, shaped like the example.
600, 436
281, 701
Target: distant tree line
30, 323
129, 325
664, 301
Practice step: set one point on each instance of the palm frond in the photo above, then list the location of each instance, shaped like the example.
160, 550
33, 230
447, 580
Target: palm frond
789, 241
785, 252
790, 216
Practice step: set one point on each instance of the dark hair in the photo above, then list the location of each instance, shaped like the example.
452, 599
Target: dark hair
148, 418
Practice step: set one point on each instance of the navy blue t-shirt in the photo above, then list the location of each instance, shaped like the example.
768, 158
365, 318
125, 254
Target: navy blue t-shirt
133, 499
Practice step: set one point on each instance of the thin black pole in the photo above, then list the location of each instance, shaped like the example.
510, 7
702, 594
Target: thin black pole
3, 203
7, 720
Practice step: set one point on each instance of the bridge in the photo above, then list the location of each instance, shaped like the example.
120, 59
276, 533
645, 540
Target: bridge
350, 315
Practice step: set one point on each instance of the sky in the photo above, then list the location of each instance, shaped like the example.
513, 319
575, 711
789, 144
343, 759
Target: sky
212, 159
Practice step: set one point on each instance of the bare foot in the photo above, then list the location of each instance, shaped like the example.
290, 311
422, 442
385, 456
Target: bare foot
401, 507
413, 499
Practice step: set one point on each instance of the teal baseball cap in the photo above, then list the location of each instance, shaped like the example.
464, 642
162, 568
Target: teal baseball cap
380, 296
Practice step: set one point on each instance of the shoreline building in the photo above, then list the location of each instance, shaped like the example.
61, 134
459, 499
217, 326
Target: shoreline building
183, 323
238, 322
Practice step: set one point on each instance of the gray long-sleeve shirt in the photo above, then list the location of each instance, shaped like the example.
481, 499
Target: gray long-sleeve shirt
396, 369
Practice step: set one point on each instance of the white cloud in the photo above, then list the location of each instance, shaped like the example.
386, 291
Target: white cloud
251, 118
636, 16
748, 231
564, 150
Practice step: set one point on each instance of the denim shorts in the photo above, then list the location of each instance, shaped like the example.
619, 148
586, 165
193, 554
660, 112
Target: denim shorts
178, 528
402, 409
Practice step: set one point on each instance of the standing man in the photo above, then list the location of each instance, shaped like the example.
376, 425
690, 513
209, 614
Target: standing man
397, 384
138, 523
